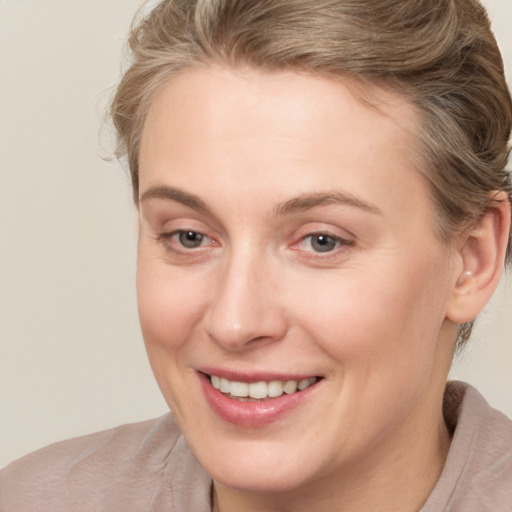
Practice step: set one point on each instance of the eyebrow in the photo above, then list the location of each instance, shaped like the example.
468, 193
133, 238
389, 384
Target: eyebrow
300, 203
305, 202
175, 194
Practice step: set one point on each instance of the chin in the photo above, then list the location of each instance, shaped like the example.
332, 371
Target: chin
260, 479
260, 467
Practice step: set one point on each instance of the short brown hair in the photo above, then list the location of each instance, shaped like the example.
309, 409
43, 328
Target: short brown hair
439, 54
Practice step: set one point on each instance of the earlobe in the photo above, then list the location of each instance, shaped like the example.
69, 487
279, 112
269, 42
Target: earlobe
482, 256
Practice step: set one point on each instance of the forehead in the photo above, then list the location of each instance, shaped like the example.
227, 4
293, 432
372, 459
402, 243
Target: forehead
213, 90
286, 131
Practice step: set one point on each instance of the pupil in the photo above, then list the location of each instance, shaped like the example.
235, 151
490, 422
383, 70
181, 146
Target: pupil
323, 243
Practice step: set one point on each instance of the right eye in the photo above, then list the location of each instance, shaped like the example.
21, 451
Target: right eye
184, 240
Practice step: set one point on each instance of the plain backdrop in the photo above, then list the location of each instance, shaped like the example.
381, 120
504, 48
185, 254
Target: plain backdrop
71, 355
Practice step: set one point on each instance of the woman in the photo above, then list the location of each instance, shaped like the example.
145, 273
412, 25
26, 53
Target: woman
323, 211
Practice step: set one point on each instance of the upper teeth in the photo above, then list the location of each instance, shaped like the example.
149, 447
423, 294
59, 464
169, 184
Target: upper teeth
262, 389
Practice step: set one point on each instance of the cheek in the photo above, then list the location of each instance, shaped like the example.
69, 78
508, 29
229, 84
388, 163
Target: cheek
373, 320
382, 336
168, 306
170, 311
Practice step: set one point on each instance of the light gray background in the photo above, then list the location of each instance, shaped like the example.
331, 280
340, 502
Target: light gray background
71, 355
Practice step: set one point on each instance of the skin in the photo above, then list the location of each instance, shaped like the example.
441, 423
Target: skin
371, 316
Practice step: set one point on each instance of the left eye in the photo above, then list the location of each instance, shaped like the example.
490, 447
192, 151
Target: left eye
321, 242
190, 239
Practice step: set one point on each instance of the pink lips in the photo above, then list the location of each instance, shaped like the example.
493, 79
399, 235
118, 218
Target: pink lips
251, 414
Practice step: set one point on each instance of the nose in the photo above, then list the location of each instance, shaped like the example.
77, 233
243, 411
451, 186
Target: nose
245, 311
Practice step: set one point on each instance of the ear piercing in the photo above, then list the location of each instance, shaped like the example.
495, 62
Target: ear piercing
463, 277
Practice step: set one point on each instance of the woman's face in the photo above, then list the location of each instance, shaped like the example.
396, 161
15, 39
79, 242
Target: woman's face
287, 242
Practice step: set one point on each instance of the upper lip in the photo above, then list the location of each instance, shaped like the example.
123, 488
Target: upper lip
254, 376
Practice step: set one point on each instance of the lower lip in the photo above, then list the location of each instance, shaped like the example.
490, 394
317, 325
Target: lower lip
252, 414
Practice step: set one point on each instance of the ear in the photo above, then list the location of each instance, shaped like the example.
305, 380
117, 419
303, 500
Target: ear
480, 256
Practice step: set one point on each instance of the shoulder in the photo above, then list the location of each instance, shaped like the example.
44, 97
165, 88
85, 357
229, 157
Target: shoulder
131, 467
478, 471
485, 438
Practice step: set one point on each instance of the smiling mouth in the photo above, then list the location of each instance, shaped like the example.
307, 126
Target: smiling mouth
263, 390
